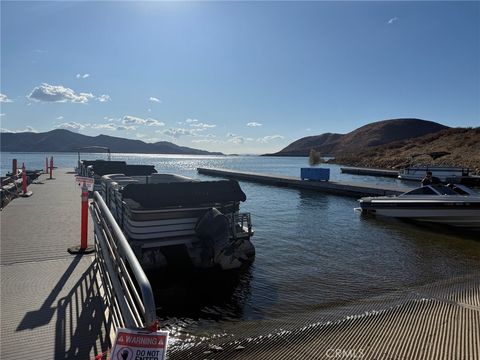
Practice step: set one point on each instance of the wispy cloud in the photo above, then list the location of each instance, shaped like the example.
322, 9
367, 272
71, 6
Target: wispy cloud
177, 132
4, 99
72, 126
104, 126
201, 125
82, 76
268, 138
59, 117
237, 139
190, 121
58, 93
27, 129
154, 99
134, 120
104, 98
392, 20
253, 124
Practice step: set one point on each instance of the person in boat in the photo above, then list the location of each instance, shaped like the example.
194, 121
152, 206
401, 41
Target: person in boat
429, 179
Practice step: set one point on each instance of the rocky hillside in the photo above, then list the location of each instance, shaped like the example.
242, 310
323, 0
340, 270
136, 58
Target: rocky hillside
64, 141
463, 144
371, 135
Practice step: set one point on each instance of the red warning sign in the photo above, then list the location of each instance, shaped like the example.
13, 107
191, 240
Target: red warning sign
139, 345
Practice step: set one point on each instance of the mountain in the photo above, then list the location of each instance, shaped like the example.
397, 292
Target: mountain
61, 140
461, 144
367, 136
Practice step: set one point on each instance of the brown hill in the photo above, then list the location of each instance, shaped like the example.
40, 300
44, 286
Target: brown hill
374, 134
463, 144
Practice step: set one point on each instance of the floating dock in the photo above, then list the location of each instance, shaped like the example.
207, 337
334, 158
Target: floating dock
369, 172
51, 307
354, 189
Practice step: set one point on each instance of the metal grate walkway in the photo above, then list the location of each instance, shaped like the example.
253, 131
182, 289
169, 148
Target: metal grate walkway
50, 306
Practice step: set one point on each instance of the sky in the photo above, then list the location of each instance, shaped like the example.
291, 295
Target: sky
236, 77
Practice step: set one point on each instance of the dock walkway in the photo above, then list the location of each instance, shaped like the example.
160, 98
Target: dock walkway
369, 172
51, 306
347, 188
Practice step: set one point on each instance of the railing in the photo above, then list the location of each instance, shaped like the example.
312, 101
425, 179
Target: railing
117, 262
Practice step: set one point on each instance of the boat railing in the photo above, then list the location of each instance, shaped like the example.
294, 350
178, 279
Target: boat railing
127, 289
239, 222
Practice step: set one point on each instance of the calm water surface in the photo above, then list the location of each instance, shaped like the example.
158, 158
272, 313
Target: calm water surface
314, 253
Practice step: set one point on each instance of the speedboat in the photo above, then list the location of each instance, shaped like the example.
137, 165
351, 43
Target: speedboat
455, 205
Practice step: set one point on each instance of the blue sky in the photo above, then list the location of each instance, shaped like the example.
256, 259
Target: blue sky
236, 77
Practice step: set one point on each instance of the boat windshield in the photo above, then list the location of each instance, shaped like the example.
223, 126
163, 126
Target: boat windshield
444, 190
432, 190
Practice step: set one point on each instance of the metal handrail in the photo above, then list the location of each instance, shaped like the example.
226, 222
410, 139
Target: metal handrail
116, 261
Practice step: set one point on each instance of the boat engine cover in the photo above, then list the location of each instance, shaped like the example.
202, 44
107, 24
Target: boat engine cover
213, 231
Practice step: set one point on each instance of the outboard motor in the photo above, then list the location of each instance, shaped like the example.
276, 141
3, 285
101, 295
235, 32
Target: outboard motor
213, 231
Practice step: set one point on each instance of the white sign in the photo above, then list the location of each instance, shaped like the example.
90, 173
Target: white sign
80, 180
139, 345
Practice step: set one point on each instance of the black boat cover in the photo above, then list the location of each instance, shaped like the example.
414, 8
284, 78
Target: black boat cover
181, 194
102, 167
137, 170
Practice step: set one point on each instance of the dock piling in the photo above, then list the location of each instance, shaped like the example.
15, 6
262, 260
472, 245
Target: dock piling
14, 167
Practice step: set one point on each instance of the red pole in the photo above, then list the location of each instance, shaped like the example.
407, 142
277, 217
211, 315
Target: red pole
46, 165
51, 167
24, 179
84, 230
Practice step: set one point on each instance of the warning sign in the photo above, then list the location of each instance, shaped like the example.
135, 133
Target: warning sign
139, 345
88, 181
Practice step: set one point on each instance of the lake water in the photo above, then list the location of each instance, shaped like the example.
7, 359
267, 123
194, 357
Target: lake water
315, 255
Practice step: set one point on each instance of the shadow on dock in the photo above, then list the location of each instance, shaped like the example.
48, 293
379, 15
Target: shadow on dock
80, 319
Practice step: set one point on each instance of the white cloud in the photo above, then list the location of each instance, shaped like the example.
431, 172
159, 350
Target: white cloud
72, 126
189, 121
207, 141
4, 99
58, 93
268, 138
177, 132
203, 126
104, 126
123, 127
133, 120
30, 129
27, 129
2, 114
154, 99
392, 20
236, 139
253, 124
59, 117
82, 76
104, 98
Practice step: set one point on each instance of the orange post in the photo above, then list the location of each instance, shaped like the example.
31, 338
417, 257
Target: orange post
51, 168
24, 179
83, 248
